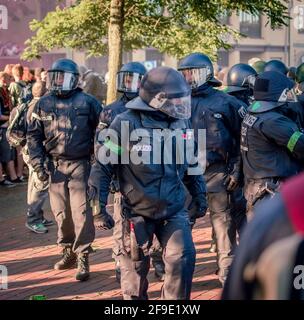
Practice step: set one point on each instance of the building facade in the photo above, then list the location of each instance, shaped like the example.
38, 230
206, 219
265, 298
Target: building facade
286, 43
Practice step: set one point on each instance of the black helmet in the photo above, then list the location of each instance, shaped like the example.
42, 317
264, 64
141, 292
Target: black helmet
166, 90
130, 76
259, 66
300, 73
271, 89
201, 70
276, 65
63, 77
240, 77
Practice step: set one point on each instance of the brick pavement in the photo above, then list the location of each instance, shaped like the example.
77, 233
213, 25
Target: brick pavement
30, 258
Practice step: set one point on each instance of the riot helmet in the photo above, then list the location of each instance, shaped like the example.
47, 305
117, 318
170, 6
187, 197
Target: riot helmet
197, 69
63, 77
129, 77
164, 89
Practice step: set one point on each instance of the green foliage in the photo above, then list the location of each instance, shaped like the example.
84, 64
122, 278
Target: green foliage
177, 27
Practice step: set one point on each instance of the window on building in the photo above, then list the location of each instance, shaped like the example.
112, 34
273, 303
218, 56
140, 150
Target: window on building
223, 59
299, 19
154, 55
46, 6
250, 25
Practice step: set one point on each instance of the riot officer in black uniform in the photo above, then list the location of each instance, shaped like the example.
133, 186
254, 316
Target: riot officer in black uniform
272, 145
152, 175
276, 65
299, 90
240, 81
259, 66
220, 115
128, 82
62, 129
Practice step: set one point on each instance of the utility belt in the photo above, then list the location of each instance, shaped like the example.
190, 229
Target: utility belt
258, 189
57, 159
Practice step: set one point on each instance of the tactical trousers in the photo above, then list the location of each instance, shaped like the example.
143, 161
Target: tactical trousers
224, 230
174, 235
155, 250
68, 197
238, 209
35, 200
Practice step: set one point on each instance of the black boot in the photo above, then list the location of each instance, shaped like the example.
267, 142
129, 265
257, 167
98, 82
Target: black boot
83, 269
68, 260
159, 270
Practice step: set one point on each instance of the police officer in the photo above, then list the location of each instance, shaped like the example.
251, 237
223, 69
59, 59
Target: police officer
151, 169
276, 65
259, 66
220, 115
299, 90
271, 143
62, 129
240, 81
128, 81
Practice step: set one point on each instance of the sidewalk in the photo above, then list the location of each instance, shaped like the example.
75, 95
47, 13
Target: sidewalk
30, 258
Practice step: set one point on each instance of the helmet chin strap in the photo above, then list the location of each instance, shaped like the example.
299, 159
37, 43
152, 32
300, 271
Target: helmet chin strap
130, 95
65, 94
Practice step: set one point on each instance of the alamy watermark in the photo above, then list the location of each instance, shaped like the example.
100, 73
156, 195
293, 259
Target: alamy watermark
3, 17
298, 281
156, 146
3, 277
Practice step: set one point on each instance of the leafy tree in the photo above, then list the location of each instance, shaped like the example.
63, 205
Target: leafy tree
177, 27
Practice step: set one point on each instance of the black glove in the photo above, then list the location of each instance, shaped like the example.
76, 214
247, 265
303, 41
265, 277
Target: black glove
42, 176
91, 193
231, 183
103, 220
197, 208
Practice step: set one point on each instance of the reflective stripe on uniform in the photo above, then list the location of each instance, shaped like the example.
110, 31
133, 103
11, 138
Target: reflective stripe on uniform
293, 140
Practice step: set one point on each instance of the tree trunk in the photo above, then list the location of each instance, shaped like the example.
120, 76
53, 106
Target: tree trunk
115, 34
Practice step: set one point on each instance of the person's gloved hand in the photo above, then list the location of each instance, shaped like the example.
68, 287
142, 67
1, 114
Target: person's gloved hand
103, 220
231, 183
42, 175
197, 208
41, 180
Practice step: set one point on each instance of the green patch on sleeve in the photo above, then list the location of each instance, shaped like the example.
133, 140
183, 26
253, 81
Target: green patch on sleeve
114, 147
256, 105
293, 140
223, 89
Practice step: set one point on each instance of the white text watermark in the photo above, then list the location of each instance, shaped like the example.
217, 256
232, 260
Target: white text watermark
3, 277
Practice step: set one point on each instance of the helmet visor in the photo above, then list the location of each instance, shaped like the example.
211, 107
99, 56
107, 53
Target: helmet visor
128, 81
62, 81
197, 77
249, 81
178, 108
288, 95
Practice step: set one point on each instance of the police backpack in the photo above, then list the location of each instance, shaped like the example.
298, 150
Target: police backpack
16, 131
26, 93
